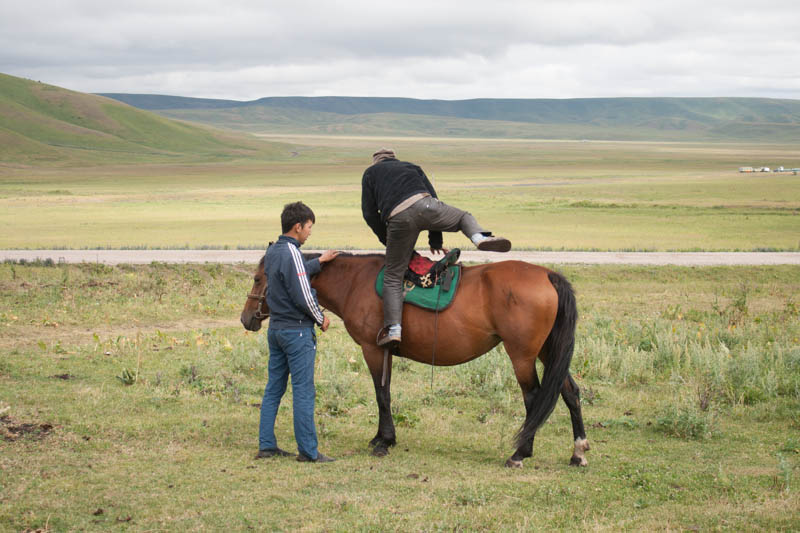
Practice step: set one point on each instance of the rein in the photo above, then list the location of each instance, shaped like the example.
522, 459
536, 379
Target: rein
260, 314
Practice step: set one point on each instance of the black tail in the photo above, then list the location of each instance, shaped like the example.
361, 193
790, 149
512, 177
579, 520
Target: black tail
558, 347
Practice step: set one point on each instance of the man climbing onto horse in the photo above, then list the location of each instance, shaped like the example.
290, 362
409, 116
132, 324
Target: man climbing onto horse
398, 202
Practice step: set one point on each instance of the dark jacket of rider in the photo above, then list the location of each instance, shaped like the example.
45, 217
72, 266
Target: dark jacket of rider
291, 299
386, 184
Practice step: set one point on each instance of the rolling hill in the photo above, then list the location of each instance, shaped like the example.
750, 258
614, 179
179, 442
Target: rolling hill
45, 124
656, 119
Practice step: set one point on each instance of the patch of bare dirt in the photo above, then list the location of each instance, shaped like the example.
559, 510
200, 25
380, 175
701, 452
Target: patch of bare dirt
12, 430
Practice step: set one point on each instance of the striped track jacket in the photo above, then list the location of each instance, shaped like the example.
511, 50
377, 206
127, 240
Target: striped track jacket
291, 300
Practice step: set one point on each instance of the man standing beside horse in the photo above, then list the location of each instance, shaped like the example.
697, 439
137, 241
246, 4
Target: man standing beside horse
398, 202
294, 311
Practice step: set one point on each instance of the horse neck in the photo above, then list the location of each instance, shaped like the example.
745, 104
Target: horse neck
340, 278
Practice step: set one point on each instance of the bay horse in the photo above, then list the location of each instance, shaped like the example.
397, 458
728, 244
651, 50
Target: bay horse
529, 308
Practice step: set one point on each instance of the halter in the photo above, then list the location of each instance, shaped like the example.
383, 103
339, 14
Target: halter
260, 315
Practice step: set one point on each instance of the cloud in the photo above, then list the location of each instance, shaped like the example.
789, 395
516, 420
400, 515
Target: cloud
246, 49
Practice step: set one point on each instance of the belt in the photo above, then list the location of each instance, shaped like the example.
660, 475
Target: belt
408, 202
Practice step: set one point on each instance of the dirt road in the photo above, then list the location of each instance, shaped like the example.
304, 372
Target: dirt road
113, 257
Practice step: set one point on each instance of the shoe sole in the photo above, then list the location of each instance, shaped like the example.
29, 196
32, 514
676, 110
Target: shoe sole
502, 245
276, 453
303, 459
388, 340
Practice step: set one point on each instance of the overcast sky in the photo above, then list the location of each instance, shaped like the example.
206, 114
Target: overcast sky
243, 49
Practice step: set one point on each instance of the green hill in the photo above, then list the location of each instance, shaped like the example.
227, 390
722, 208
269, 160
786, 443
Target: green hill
44, 124
676, 119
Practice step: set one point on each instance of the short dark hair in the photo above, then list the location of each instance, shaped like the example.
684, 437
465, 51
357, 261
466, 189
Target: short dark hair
294, 213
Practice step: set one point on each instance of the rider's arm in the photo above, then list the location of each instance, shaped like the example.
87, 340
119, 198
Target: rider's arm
435, 240
370, 210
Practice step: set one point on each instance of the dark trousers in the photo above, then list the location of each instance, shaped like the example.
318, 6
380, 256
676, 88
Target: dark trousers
402, 232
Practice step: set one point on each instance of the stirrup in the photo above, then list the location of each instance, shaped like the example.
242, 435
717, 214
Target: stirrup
384, 338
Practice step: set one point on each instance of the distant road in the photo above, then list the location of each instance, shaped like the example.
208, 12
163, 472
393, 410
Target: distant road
114, 257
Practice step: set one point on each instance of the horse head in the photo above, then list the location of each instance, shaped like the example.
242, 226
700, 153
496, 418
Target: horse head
256, 309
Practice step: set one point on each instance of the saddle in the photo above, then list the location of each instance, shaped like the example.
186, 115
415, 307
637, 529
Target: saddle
425, 273
429, 284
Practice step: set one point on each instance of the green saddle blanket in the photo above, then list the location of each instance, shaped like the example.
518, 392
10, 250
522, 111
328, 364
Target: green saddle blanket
430, 297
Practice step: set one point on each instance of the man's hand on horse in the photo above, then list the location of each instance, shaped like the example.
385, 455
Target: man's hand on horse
328, 255
442, 251
326, 322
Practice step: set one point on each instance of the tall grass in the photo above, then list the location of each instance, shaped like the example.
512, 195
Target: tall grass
728, 355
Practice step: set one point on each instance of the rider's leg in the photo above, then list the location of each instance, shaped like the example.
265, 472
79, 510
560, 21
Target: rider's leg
401, 236
438, 216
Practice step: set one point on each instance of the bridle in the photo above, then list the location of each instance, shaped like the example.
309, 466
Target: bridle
262, 298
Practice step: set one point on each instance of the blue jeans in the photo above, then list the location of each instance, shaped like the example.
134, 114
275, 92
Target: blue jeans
291, 351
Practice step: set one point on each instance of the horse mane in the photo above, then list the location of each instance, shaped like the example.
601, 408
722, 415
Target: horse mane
315, 255
343, 254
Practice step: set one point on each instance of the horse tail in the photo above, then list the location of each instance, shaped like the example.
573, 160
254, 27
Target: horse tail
558, 346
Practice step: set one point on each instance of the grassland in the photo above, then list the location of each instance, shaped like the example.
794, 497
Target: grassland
691, 395
83, 171
541, 194
128, 395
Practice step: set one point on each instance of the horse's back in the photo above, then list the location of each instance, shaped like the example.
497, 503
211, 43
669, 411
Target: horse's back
513, 275
517, 295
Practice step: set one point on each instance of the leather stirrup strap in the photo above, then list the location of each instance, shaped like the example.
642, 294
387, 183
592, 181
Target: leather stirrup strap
385, 366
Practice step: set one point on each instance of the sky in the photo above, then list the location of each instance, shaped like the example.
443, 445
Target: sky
449, 50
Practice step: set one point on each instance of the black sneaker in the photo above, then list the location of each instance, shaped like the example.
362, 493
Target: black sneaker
494, 244
321, 458
277, 452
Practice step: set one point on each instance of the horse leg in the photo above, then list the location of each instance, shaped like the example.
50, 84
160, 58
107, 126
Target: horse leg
572, 397
386, 434
529, 387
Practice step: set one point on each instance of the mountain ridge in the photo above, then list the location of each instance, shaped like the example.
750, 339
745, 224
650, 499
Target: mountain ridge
625, 118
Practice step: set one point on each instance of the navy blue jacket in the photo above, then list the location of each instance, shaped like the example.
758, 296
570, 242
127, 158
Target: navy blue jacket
291, 300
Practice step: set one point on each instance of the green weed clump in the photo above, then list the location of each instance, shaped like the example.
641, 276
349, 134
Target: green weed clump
685, 421
127, 377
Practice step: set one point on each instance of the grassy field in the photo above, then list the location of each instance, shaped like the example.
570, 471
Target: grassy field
541, 194
128, 401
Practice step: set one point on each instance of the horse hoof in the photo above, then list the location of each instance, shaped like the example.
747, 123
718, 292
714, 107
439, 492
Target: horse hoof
513, 463
578, 457
380, 451
578, 461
